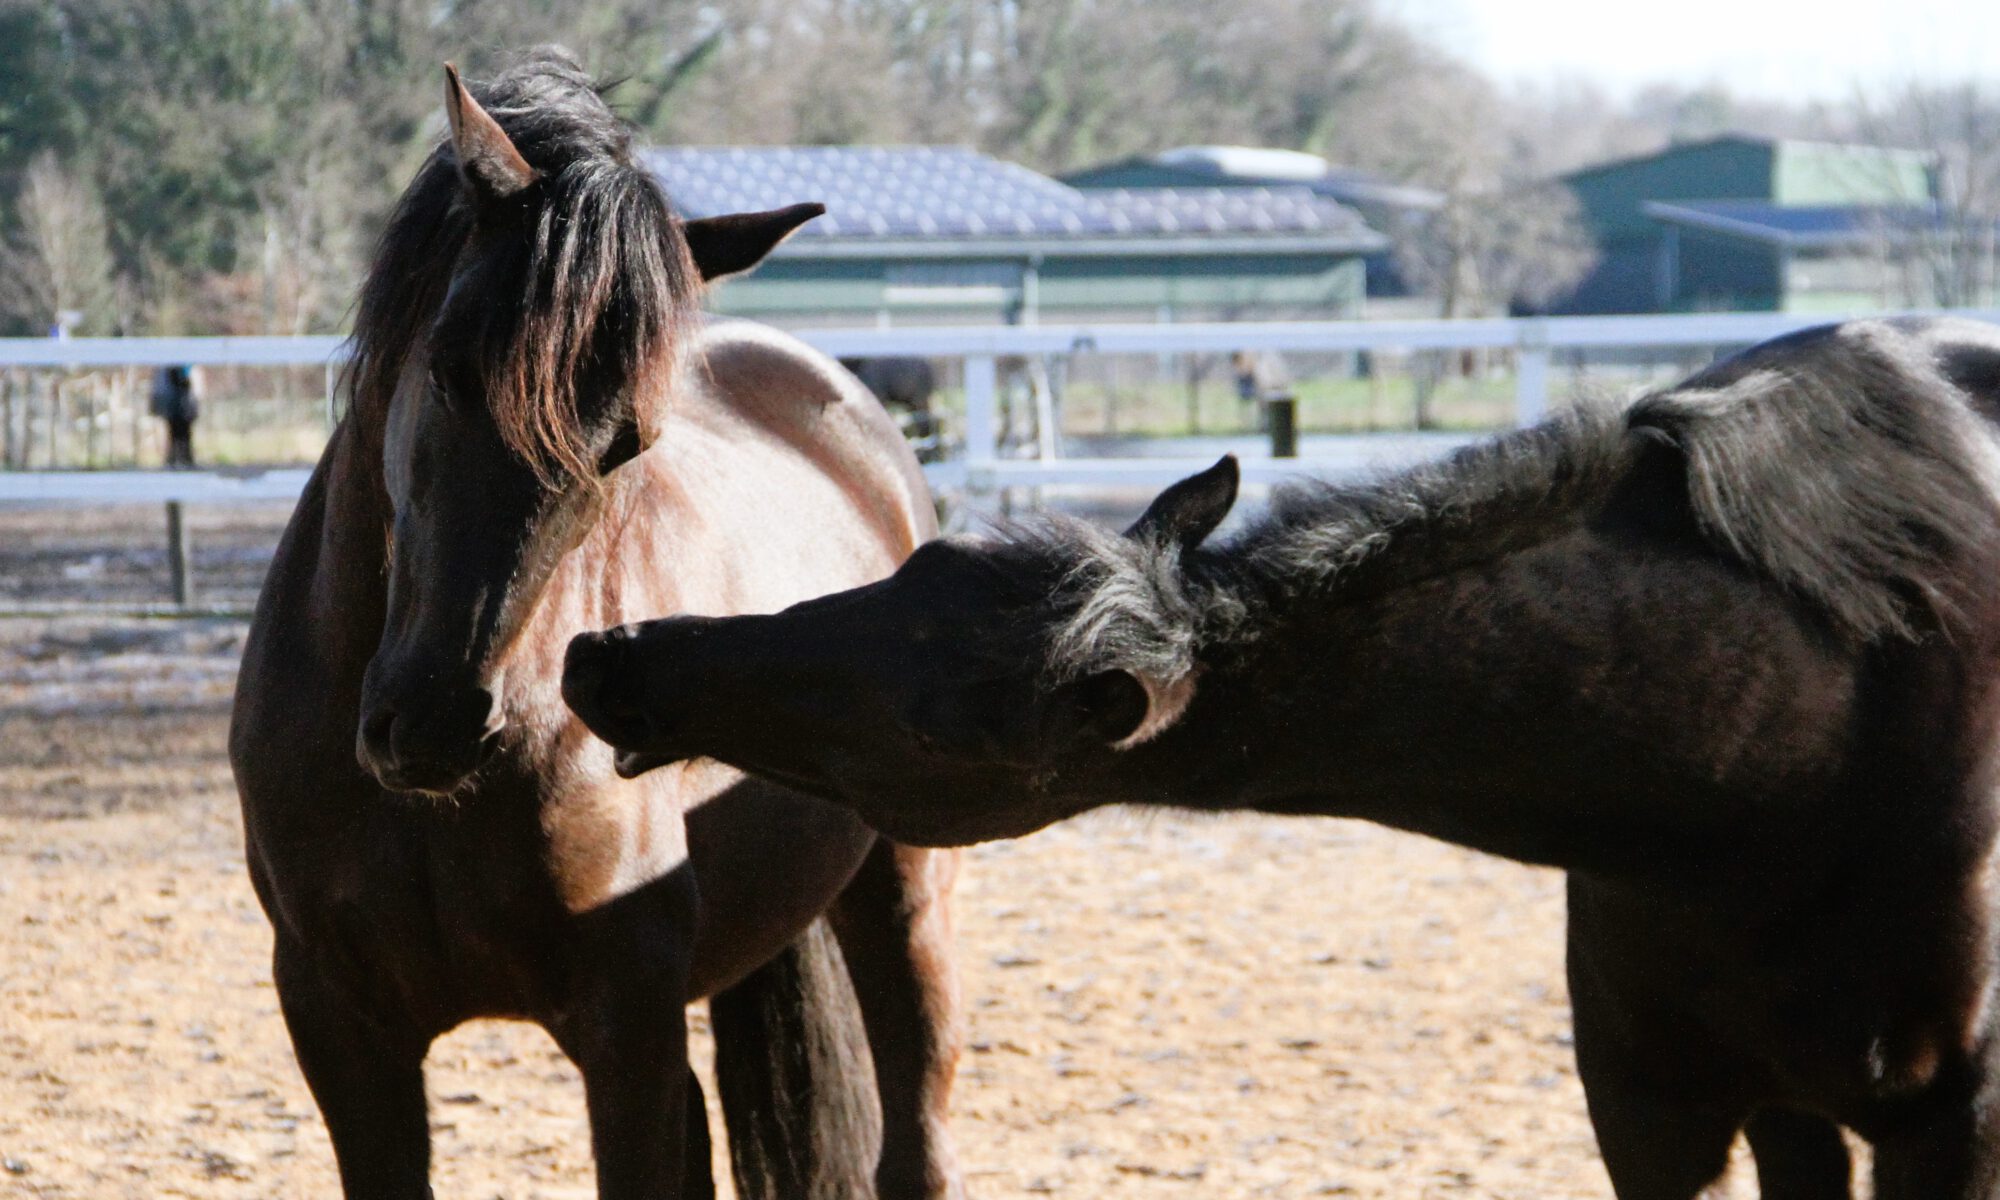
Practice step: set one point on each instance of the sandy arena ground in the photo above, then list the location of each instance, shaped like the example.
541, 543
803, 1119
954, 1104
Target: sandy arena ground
1160, 1006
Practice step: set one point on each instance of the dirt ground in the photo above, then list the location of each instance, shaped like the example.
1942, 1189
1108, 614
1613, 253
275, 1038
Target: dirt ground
1160, 1006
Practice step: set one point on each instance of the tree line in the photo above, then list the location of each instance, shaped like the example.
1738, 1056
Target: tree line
194, 166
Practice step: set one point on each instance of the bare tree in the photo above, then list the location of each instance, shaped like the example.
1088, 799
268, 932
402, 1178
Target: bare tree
1943, 245
1505, 235
59, 260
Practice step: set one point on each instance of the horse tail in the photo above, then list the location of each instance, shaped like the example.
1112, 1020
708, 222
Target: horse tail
794, 1076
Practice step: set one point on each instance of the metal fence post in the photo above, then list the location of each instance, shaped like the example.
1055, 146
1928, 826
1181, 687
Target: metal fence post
1531, 372
982, 429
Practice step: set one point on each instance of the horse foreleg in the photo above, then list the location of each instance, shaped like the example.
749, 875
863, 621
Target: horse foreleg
1945, 1146
699, 1175
1655, 1146
1799, 1156
1661, 1108
894, 925
367, 1075
624, 1025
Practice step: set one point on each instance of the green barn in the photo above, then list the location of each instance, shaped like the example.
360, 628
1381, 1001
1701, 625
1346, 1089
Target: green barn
1752, 224
928, 235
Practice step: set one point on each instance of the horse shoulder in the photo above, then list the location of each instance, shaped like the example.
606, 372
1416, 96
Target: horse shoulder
783, 389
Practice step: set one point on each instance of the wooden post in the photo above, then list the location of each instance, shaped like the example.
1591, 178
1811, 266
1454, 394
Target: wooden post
179, 565
1283, 411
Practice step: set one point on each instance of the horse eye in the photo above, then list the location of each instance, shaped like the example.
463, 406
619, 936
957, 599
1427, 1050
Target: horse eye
624, 448
446, 396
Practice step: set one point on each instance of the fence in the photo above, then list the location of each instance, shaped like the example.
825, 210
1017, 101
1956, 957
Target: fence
983, 468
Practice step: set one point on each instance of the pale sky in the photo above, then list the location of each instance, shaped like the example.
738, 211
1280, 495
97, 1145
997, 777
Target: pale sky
1778, 48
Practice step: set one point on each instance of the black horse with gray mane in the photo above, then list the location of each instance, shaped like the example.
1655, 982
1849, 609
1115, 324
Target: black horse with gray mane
1727, 656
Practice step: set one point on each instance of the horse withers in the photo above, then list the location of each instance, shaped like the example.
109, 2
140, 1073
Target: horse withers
545, 438
1728, 656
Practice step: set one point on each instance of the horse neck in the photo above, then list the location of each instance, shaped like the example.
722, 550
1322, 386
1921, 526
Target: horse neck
1573, 703
349, 558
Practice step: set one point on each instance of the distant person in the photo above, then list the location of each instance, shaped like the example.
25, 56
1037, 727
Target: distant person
175, 401
1260, 375
1262, 378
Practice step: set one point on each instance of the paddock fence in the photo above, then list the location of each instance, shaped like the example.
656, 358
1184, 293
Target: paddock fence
987, 461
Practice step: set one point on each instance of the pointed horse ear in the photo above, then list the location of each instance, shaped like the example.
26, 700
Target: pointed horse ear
728, 245
488, 161
1190, 510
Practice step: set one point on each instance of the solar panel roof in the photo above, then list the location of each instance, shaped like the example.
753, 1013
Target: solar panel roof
954, 193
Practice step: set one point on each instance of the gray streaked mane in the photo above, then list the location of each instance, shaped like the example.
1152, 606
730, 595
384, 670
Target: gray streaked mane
1842, 464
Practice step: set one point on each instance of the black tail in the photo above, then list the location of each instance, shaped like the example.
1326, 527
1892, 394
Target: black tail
795, 1080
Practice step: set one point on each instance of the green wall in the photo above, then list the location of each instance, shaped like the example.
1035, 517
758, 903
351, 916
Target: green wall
1191, 286
1725, 274
1818, 173
1614, 196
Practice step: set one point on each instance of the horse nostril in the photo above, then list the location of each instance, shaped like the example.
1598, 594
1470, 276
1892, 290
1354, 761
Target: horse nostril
585, 670
376, 727
618, 706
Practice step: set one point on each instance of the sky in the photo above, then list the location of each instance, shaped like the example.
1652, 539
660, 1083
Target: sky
1776, 48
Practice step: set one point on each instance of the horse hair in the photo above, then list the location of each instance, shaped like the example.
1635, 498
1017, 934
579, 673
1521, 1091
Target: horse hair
1844, 465
608, 283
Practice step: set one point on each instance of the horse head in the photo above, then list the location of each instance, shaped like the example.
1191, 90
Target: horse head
987, 688
517, 344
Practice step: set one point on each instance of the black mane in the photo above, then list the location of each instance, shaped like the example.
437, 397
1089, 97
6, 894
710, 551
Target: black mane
608, 285
1846, 464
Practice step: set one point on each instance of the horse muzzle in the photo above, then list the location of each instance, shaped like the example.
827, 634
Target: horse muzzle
413, 743
599, 687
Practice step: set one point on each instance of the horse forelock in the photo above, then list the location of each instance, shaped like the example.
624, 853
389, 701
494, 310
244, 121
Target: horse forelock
607, 292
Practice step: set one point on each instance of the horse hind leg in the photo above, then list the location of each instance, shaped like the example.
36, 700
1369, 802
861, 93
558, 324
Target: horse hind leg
792, 1073
894, 924
1799, 1156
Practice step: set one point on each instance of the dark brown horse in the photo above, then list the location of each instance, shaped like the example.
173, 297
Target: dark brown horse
545, 438
1728, 657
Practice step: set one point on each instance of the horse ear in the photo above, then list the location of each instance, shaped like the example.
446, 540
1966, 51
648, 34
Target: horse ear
1190, 510
727, 245
488, 161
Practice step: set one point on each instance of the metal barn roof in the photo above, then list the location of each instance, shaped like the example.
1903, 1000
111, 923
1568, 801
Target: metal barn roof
1798, 227
1254, 166
919, 201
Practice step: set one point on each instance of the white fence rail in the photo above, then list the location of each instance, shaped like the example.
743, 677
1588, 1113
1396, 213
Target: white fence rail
981, 468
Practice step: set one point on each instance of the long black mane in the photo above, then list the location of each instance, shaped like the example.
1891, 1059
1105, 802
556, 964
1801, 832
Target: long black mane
1848, 464
607, 286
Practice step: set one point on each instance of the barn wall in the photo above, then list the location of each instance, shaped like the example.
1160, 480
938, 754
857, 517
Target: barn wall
986, 291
